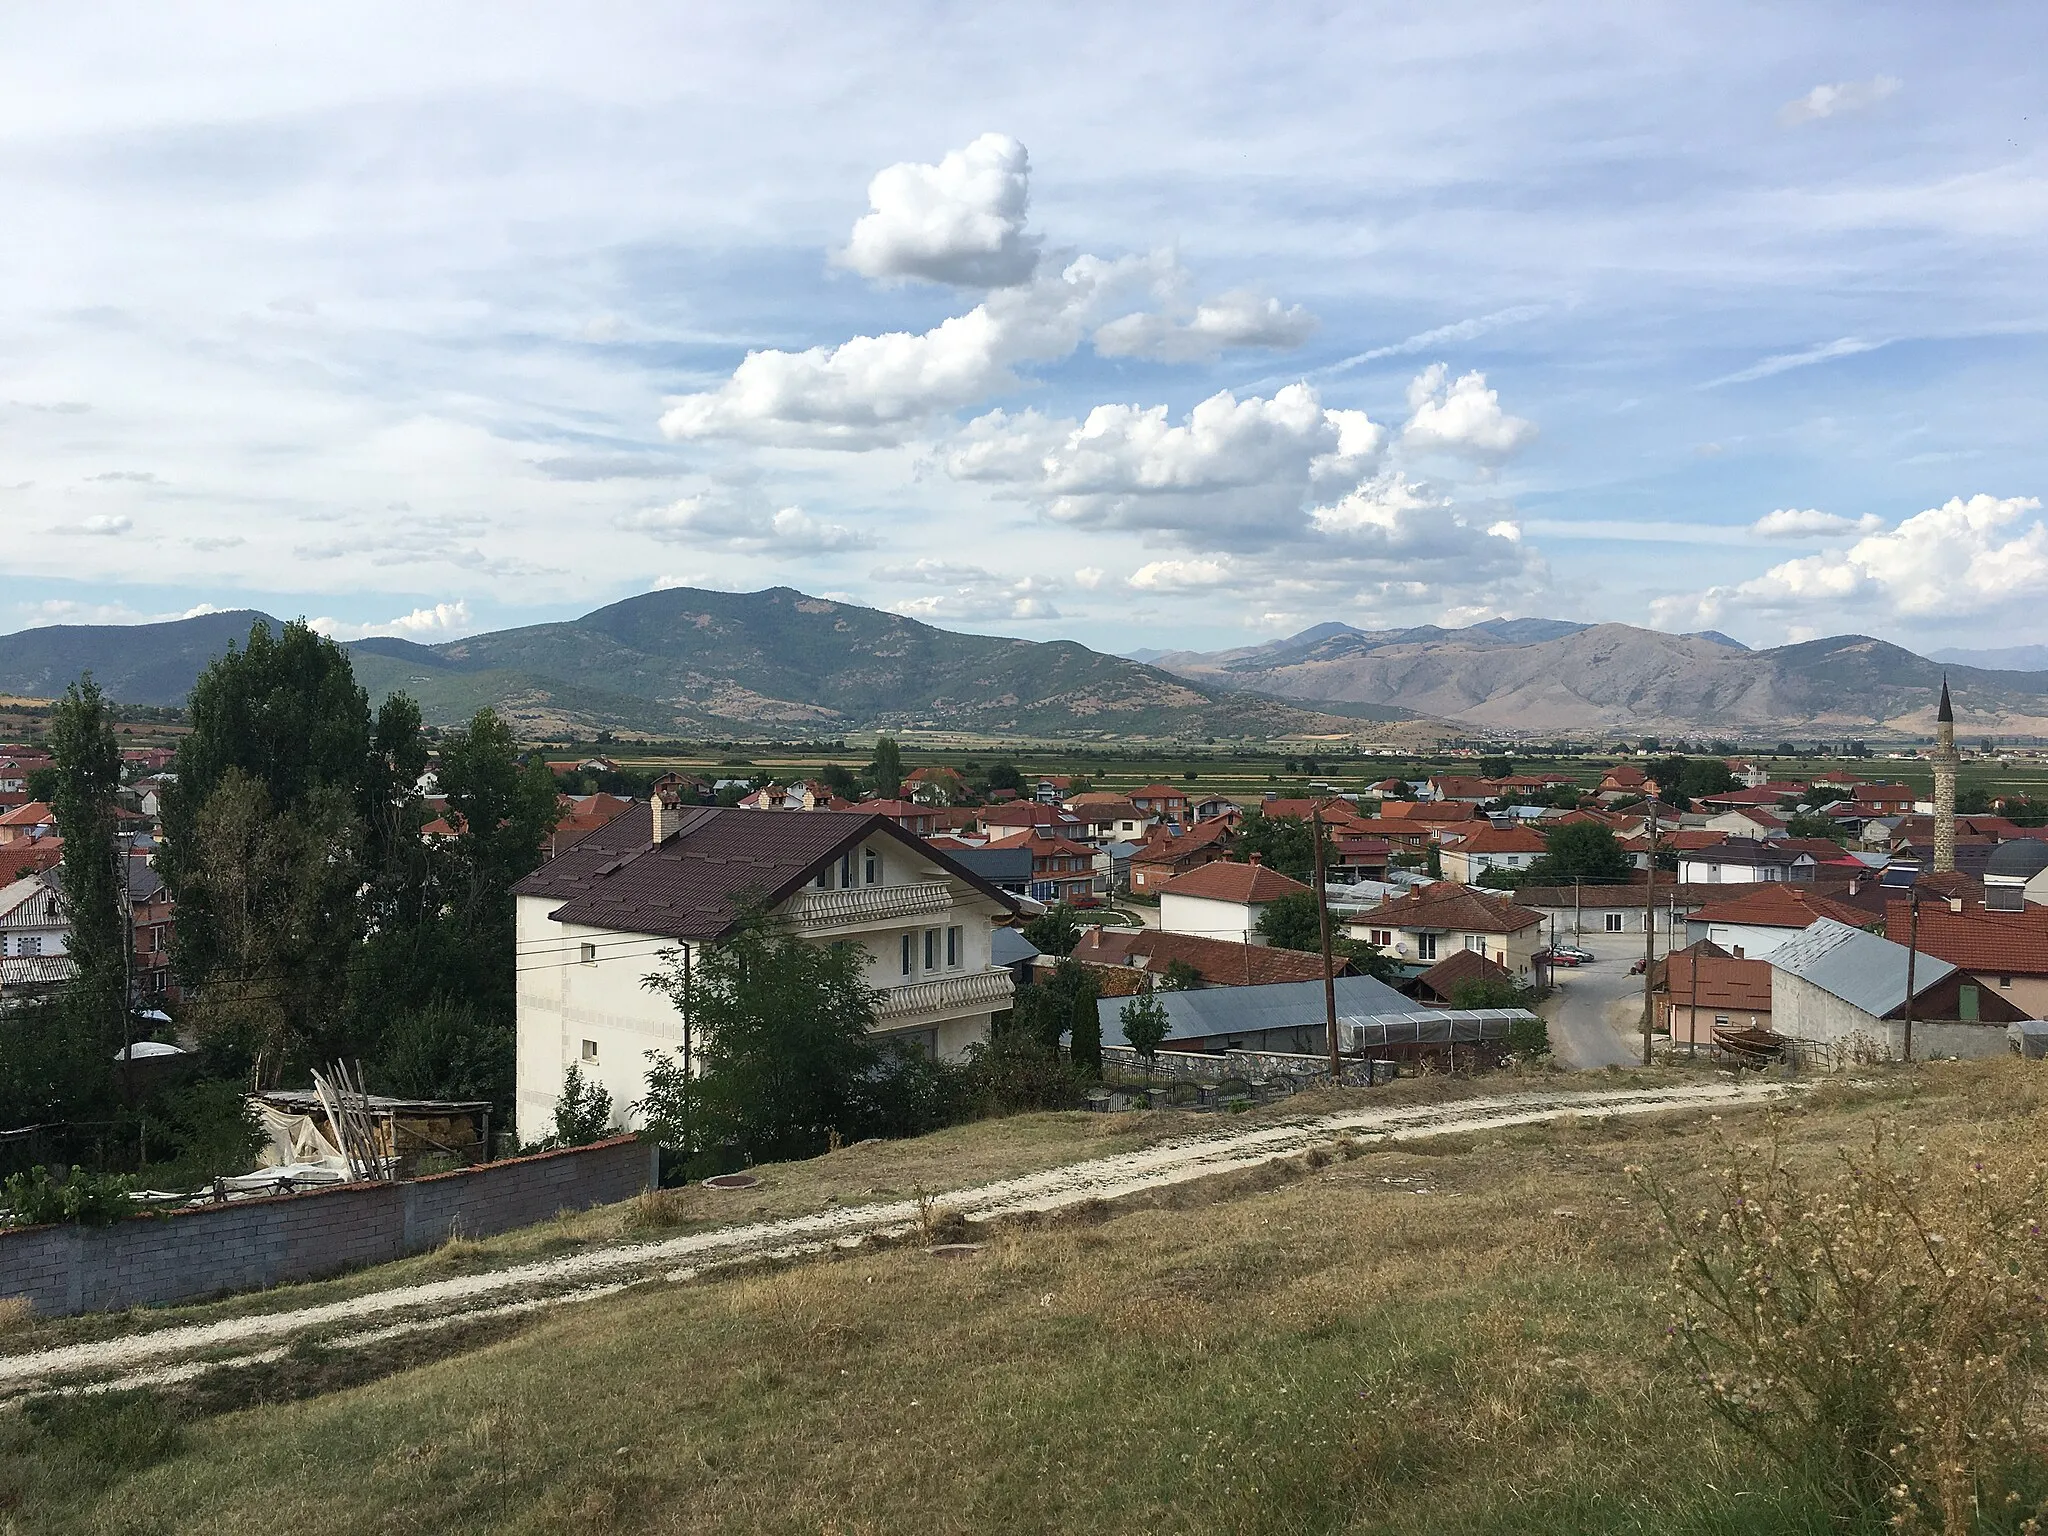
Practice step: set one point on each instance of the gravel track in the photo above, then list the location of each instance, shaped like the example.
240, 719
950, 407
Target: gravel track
173, 1354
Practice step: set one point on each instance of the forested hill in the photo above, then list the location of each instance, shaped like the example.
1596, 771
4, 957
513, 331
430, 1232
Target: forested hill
685, 661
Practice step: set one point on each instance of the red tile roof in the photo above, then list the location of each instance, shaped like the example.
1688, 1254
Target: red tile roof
2014, 943
1491, 839
1775, 904
714, 861
1219, 962
1460, 965
36, 813
1225, 880
1452, 907
1426, 810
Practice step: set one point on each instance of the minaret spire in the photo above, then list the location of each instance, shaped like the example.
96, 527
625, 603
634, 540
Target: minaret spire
1946, 761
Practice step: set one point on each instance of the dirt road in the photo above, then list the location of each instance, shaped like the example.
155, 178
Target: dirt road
175, 1353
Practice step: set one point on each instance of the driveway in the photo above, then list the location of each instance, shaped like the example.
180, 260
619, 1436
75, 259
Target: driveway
1596, 1013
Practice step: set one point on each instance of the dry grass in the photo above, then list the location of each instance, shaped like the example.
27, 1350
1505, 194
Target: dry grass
15, 1314
1407, 1339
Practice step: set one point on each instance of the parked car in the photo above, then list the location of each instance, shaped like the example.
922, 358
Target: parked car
1085, 902
1578, 956
1563, 955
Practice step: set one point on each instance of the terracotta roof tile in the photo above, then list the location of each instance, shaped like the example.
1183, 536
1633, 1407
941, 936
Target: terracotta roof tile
2014, 943
1227, 881
1219, 962
1775, 904
1451, 907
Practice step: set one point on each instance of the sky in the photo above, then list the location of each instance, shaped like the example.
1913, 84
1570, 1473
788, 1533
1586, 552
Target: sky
1044, 320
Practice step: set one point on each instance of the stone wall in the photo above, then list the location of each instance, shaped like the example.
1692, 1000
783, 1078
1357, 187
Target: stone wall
248, 1244
1253, 1066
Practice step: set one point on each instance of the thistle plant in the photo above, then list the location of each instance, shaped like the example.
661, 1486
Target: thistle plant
1877, 1323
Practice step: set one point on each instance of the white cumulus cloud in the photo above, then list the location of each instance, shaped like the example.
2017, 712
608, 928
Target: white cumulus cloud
1239, 319
1980, 555
1810, 523
876, 390
1461, 416
969, 592
740, 519
100, 524
1833, 100
960, 221
1242, 467
1181, 575
442, 621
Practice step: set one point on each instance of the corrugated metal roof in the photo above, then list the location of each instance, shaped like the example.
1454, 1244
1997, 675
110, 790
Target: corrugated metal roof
1242, 1010
1860, 968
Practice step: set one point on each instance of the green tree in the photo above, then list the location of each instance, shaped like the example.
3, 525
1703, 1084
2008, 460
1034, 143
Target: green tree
88, 764
1003, 774
786, 1047
1812, 824
1975, 800
1055, 931
841, 780
1180, 976
1581, 850
1292, 921
885, 773
1085, 1026
1285, 843
1144, 1024
42, 784
583, 1113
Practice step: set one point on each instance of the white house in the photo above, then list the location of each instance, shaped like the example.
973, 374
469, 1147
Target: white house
661, 879
1222, 900
1491, 847
35, 937
1756, 922
1744, 861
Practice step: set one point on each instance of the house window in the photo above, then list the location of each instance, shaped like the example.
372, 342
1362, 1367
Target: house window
1614, 922
1720, 1021
824, 880
588, 954
846, 870
907, 941
931, 949
1476, 942
1425, 946
32, 944
2005, 981
871, 867
953, 948
1381, 938
590, 1050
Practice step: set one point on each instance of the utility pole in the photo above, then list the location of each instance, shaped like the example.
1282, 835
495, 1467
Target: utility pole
1912, 954
1329, 971
1650, 937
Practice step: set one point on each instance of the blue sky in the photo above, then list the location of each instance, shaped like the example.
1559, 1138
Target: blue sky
1037, 320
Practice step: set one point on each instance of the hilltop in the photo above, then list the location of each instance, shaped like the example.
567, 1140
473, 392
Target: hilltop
1550, 675
688, 662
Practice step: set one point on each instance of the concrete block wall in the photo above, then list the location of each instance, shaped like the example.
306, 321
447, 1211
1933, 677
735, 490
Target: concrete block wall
250, 1244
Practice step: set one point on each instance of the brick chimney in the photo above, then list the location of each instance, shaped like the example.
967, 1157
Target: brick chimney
1258, 858
664, 817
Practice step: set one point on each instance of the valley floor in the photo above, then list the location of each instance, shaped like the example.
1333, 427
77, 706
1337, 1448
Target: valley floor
1385, 1316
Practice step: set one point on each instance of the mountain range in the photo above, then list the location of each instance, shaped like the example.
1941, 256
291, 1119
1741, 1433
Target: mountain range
687, 662
1541, 675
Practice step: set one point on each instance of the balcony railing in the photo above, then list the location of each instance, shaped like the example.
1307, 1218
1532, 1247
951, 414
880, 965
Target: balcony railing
870, 904
976, 990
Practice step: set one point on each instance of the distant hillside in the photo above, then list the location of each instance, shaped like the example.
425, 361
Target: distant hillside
1617, 677
2013, 658
689, 662
134, 663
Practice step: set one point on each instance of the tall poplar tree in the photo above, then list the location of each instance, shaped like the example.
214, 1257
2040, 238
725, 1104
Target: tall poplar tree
88, 776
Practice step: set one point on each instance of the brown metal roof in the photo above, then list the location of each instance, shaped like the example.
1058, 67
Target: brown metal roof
706, 871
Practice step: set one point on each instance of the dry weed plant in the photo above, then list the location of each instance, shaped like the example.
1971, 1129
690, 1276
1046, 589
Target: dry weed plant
15, 1312
1879, 1323
657, 1210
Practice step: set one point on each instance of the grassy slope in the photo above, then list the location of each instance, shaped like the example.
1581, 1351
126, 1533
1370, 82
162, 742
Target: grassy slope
1456, 1336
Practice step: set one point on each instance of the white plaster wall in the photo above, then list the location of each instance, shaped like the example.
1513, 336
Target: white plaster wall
564, 1000
1210, 919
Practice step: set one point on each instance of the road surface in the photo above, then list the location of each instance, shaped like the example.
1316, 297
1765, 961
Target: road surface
1596, 1013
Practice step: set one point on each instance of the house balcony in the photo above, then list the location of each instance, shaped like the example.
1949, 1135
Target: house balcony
864, 904
971, 993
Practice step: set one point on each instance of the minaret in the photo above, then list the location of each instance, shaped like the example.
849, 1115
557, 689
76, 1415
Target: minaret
1945, 765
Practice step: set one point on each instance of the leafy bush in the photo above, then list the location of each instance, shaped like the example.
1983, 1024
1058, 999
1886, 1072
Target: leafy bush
1144, 1022
583, 1114
1055, 931
90, 1199
1875, 1327
1017, 1071
208, 1129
